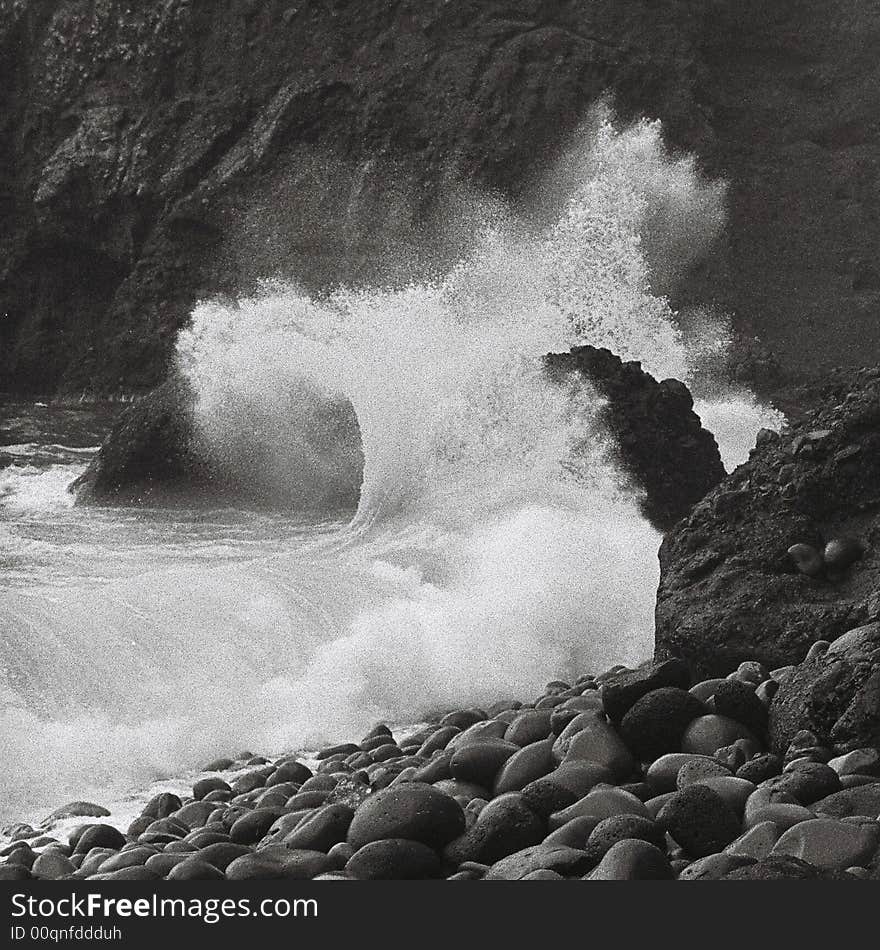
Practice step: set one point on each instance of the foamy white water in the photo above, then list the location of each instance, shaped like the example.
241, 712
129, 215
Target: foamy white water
485, 557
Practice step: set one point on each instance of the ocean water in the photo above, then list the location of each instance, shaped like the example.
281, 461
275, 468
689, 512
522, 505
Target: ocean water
495, 545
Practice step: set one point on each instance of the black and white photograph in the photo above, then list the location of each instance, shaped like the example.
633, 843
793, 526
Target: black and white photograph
439, 441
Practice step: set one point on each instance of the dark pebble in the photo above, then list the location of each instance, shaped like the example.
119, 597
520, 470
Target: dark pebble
618, 828
195, 869
378, 730
52, 865
481, 762
807, 781
438, 739
559, 859
713, 867
212, 784
343, 749
99, 836
574, 833
544, 796
324, 828
529, 726
251, 780
161, 864
302, 865
463, 718
139, 826
308, 799
384, 753
289, 770
463, 792
253, 827
195, 814
621, 691
860, 800
126, 859
392, 859
413, 811
222, 854
78, 810
161, 805
633, 860
139, 873
778, 867
656, 723
529, 763
699, 820
561, 717
170, 826
505, 825
738, 701
760, 768
374, 742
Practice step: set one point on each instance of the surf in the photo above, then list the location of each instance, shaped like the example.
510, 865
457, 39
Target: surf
495, 544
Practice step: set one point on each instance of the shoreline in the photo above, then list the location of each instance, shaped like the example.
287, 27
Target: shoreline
629, 775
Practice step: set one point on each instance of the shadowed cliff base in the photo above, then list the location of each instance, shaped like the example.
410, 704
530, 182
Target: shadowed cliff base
153, 149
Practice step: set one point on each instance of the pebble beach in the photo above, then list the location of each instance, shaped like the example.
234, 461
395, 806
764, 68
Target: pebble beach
632, 774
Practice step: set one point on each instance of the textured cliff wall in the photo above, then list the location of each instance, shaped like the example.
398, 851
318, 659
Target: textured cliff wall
151, 153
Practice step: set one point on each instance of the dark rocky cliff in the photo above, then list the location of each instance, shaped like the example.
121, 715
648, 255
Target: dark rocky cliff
729, 588
156, 152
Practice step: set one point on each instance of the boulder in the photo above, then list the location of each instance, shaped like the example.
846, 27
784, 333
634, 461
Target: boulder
158, 453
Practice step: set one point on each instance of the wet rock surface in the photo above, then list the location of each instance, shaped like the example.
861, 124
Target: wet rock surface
730, 590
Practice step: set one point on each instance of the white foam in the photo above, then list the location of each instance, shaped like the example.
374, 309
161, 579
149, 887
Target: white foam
495, 545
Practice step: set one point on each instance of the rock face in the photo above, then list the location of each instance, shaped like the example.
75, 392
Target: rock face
729, 589
835, 695
659, 438
156, 450
162, 151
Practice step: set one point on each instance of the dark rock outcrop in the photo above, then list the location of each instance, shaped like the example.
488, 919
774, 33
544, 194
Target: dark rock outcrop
158, 152
151, 449
156, 451
158, 454
660, 441
729, 589
835, 694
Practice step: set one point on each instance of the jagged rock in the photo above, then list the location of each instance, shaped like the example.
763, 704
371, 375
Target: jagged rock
835, 695
659, 438
729, 590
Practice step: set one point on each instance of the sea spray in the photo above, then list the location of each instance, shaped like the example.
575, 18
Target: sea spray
494, 545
